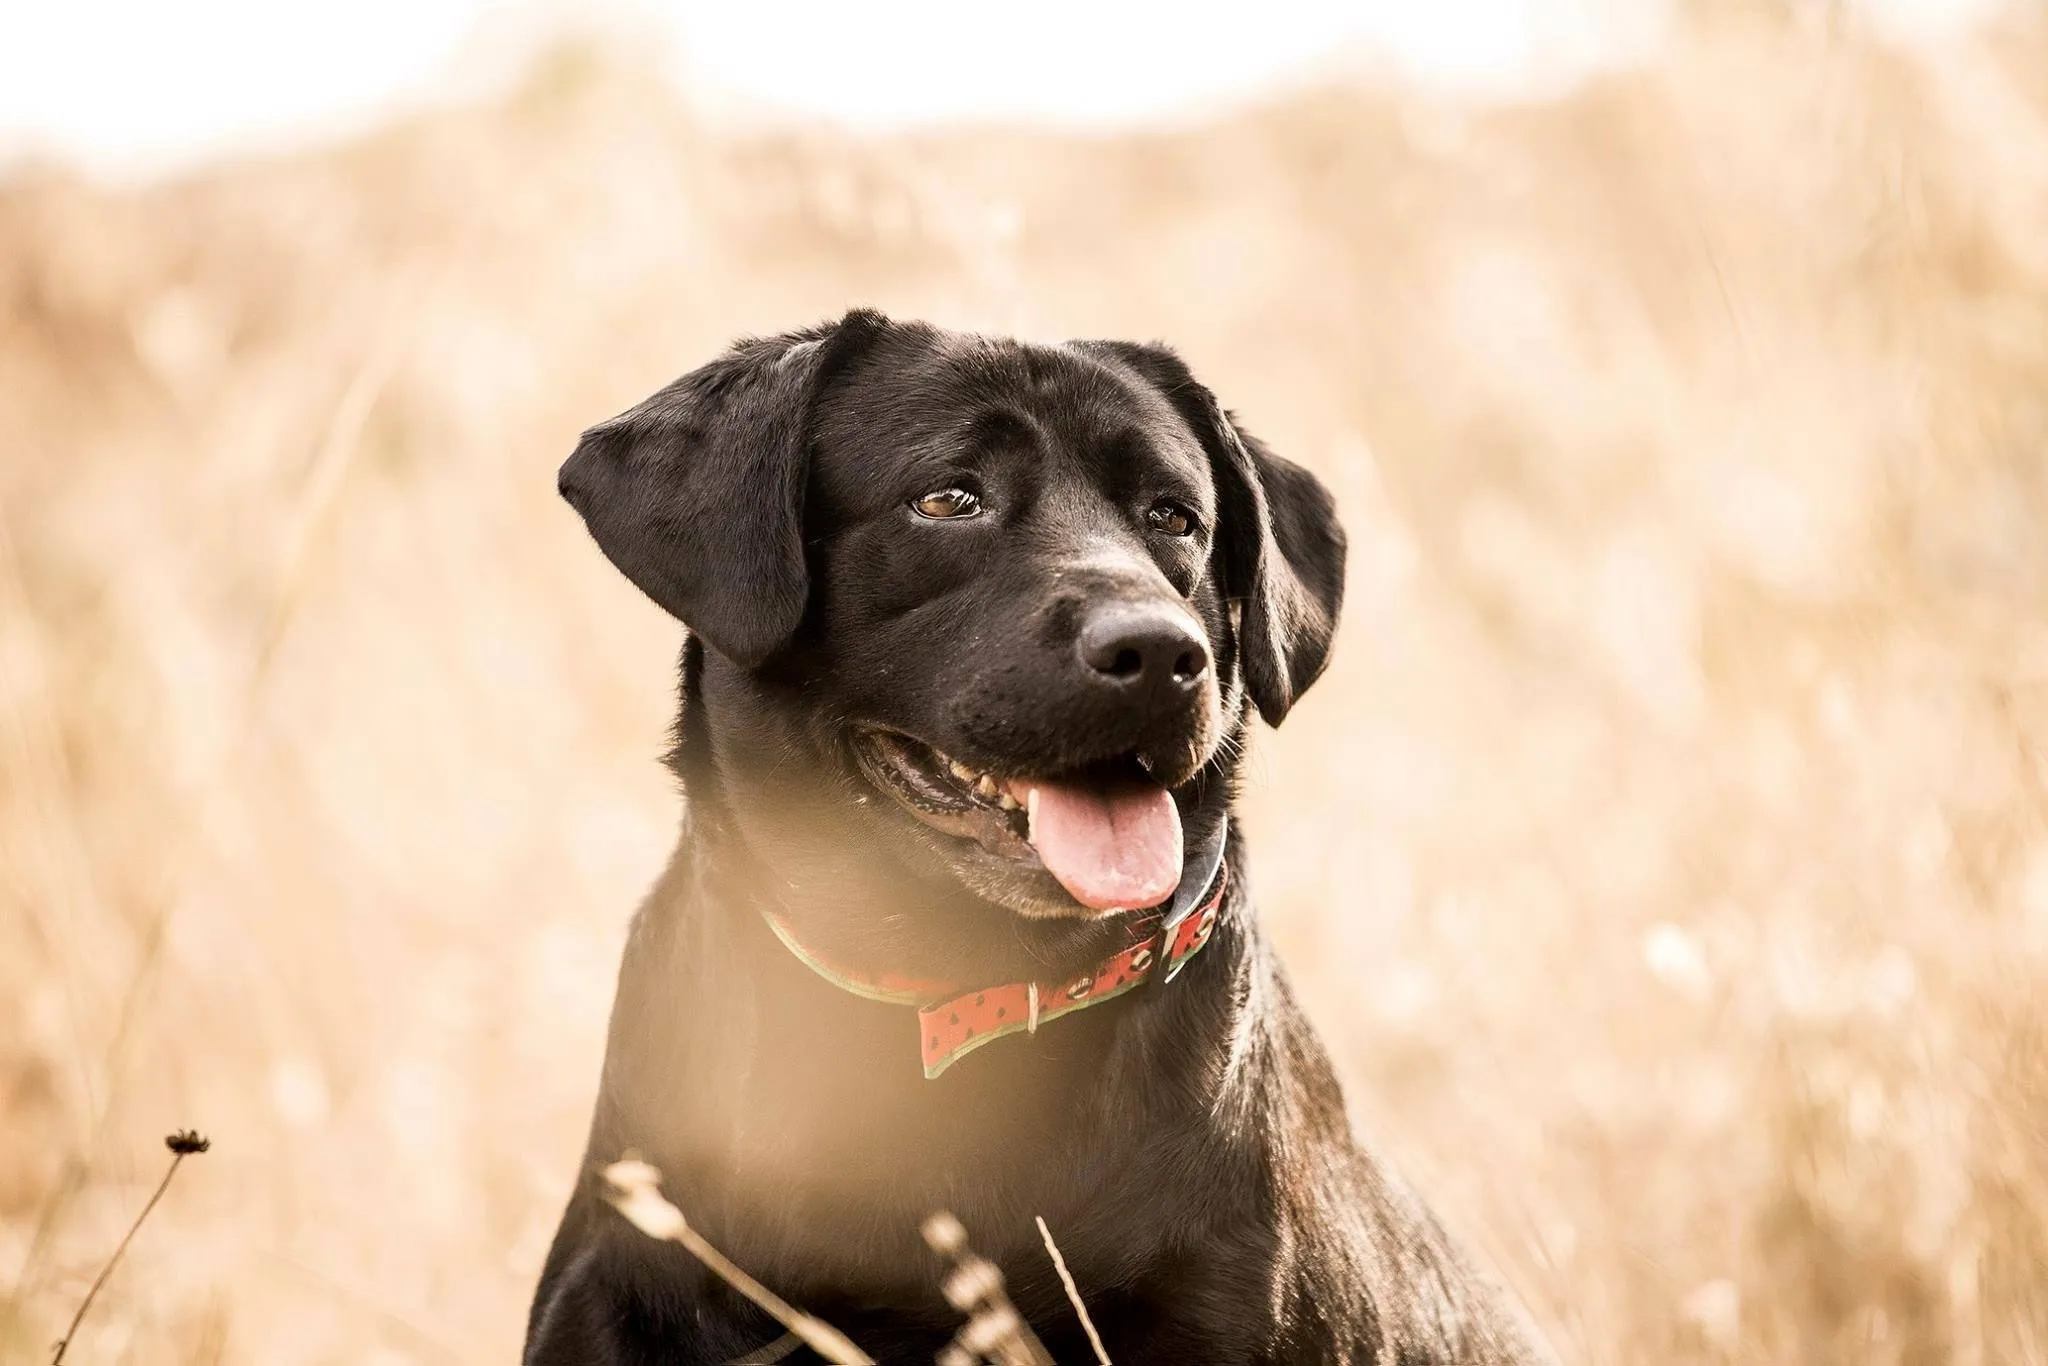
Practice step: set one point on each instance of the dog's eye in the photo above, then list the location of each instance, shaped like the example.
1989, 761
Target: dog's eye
1170, 518
943, 503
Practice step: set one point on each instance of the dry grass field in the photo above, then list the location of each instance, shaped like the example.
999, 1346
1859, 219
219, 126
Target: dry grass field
1665, 857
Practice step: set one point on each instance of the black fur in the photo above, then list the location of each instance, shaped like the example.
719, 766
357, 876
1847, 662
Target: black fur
1187, 1143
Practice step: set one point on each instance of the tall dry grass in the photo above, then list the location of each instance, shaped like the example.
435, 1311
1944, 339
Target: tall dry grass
1665, 858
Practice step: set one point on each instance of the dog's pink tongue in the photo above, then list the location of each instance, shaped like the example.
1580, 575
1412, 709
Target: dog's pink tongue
1117, 850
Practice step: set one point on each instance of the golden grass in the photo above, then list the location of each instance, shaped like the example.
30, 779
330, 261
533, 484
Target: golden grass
1665, 858
633, 1188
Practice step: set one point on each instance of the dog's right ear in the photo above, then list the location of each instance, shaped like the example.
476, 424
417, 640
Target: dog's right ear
697, 493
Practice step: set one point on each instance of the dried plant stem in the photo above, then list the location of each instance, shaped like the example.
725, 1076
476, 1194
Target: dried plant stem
181, 1147
636, 1193
772, 1353
995, 1331
1059, 1264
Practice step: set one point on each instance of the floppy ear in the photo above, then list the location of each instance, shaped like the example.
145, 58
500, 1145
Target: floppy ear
697, 493
1283, 550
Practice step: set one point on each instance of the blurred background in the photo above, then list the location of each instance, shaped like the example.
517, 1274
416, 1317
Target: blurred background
1665, 857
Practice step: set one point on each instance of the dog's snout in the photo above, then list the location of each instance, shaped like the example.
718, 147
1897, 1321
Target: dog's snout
1143, 648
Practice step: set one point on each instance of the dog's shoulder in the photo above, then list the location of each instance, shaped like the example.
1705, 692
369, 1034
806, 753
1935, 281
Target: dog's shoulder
1368, 1274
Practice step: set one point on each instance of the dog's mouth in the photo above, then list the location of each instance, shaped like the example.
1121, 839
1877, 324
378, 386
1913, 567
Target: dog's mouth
1108, 832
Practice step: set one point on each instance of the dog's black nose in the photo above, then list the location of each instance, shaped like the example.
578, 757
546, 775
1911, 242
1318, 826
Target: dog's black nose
1144, 648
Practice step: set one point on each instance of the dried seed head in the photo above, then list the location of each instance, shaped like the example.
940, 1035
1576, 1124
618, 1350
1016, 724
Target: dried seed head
974, 1281
630, 1174
944, 1233
991, 1329
187, 1141
636, 1193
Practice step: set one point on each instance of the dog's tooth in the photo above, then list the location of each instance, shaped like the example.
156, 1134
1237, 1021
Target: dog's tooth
1010, 803
961, 771
987, 786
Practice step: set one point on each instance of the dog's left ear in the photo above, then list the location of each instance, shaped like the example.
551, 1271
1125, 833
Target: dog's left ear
1283, 550
697, 493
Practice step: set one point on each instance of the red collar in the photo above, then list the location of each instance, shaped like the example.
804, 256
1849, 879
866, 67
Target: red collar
953, 1022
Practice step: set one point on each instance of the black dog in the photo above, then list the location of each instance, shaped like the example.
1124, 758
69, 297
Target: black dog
975, 632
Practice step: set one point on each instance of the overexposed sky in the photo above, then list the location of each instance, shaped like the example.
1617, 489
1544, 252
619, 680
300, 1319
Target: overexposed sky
131, 86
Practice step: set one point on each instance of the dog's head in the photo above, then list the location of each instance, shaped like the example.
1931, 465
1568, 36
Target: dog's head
995, 610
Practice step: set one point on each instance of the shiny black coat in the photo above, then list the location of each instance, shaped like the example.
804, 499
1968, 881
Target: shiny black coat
1187, 1143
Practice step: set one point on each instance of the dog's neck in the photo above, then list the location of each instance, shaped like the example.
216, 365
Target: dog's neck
777, 1101
707, 935
783, 1107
